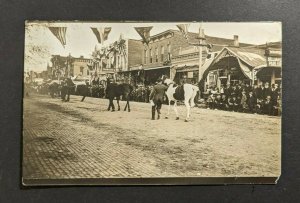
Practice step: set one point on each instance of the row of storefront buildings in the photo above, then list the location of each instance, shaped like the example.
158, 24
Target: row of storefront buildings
177, 56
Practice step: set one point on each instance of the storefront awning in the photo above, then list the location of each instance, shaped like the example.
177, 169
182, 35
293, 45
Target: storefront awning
154, 68
187, 68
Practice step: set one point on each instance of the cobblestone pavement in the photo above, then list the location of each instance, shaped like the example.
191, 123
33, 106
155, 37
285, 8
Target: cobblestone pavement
83, 140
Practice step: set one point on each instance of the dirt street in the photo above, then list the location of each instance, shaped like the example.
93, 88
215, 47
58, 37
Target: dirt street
84, 140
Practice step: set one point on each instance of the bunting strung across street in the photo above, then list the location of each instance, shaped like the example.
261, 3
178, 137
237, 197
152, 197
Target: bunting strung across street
184, 29
59, 33
101, 33
144, 32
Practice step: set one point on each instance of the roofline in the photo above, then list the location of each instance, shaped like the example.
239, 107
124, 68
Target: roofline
228, 48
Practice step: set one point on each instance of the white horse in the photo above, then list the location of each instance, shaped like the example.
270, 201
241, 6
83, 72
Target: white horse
189, 94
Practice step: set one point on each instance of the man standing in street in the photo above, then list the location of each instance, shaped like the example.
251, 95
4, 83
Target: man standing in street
156, 97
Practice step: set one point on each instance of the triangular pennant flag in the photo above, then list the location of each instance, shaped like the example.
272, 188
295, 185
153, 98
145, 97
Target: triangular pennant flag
184, 29
144, 32
101, 33
59, 33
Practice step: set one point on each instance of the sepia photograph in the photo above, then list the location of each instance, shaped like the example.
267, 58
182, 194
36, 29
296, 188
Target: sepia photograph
167, 102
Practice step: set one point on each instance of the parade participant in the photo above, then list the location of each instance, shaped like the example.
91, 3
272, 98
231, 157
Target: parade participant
239, 90
236, 103
266, 91
234, 90
268, 106
211, 101
259, 92
156, 98
228, 90
251, 102
244, 105
223, 102
274, 94
218, 102
230, 101
259, 106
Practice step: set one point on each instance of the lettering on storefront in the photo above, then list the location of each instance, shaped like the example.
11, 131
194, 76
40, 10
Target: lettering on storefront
274, 61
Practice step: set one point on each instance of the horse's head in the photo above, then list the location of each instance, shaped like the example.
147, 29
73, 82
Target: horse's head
168, 81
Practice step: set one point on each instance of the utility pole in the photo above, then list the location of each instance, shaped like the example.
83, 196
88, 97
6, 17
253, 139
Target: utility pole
201, 38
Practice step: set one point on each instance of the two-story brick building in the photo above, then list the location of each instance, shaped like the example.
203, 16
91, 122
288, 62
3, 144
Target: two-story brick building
68, 66
172, 54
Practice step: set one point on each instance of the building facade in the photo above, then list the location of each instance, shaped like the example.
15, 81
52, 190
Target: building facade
170, 53
68, 66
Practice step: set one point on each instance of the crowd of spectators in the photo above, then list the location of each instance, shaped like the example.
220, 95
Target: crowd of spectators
259, 99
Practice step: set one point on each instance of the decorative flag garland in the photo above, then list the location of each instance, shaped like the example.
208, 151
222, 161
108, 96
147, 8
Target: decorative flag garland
60, 34
101, 33
144, 32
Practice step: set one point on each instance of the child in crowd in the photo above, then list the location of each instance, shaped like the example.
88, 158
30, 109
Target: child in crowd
251, 102
244, 105
218, 102
211, 101
223, 102
268, 106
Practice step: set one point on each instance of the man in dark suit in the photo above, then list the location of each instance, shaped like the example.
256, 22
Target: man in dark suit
251, 102
274, 94
266, 91
157, 97
258, 92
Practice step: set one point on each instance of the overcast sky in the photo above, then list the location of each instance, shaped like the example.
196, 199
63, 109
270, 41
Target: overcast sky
82, 41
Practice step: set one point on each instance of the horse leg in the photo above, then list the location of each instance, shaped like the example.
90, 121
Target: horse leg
193, 98
128, 104
83, 97
112, 105
175, 109
153, 112
109, 104
125, 107
167, 116
187, 105
118, 98
68, 97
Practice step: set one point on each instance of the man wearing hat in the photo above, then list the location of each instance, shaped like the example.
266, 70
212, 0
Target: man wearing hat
251, 102
156, 97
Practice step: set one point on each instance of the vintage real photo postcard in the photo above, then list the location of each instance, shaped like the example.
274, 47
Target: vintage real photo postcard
151, 103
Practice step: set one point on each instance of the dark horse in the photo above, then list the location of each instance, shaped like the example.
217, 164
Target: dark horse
70, 88
114, 90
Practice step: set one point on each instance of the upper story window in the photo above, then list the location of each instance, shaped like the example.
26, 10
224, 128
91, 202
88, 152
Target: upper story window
146, 56
162, 53
151, 56
169, 48
169, 51
156, 54
81, 70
